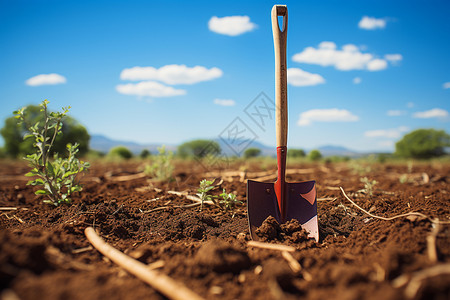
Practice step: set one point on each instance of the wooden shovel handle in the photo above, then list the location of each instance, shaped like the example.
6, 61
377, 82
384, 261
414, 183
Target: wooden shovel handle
279, 41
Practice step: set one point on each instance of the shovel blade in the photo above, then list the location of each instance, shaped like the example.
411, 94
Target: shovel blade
301, 204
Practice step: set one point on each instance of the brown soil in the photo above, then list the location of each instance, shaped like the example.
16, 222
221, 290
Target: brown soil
45, 255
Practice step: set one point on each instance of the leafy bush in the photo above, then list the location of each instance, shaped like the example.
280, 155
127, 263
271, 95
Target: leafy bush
120, 152
13, 133
162, 167
58, 177
198, 149
423, 144
252, 152
294, 153
314, 155
145, 153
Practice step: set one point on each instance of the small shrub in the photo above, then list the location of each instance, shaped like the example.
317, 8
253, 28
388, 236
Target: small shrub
145, 154
368, 186
120, 152
314, 155
162, 167
252, 152
58, 177
296, 153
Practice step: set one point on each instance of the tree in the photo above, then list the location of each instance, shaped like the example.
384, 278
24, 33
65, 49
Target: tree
423, 144
198, 149
145, 153
314, 155
296, 153
13, 133
252, 152
120, 152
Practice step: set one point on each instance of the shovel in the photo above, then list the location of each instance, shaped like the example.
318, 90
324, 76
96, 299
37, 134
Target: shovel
282, 200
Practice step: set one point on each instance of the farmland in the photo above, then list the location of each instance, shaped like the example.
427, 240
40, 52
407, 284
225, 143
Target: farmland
43, 249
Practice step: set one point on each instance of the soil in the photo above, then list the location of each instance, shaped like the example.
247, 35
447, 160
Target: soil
44, 253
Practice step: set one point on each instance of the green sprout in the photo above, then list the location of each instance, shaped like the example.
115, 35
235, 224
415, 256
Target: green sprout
57, 175
225, 201
203, 190
228, 201
368, 186
162, 167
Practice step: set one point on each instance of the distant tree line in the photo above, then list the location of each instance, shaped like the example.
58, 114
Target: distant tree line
418, 144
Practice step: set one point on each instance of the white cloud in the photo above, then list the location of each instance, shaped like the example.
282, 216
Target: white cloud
371, 23
149, 88
224, 102
172, 74
326, 115
393, 58
46, 79
348, 58
446, 85
376, 64
357, 80
298, 77
395, 113
232, 25
432, 113
393, 133
410, 104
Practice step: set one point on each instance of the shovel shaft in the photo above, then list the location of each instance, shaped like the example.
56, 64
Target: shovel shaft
279, 40
280, 185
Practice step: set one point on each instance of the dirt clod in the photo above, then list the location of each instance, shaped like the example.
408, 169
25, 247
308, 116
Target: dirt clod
221, 257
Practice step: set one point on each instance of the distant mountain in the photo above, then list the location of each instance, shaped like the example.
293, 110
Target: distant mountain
104, 144
331, 150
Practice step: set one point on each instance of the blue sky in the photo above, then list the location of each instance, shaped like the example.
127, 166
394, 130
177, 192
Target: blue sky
361, 73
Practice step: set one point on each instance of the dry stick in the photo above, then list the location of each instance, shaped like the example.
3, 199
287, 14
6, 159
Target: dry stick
436, 221
270, 246
192, 198
416, 278
431, 242
292, 262
164, 207
163, 283
8, 208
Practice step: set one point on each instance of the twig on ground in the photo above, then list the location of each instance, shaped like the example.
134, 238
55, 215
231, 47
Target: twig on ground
7, 208
271, 246
174, 206
435, 221
431, 242
126, 177
292, 262
414, 281
161, 282
190, 197
327, 199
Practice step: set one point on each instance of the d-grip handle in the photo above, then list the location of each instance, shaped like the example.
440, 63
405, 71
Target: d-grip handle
279, 41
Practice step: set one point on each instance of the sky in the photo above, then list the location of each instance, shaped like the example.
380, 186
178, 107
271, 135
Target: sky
361, 74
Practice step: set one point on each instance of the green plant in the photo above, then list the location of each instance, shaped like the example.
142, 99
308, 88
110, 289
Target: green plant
162, 167
198, 149
368, 186
314, 155
15, 146
228, 201
144, 154
203, 192
423, 144
120, 152
294, 153
58, 177
252, 152
225, 201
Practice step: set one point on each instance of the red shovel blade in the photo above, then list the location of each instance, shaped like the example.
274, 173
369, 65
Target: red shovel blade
300, 199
